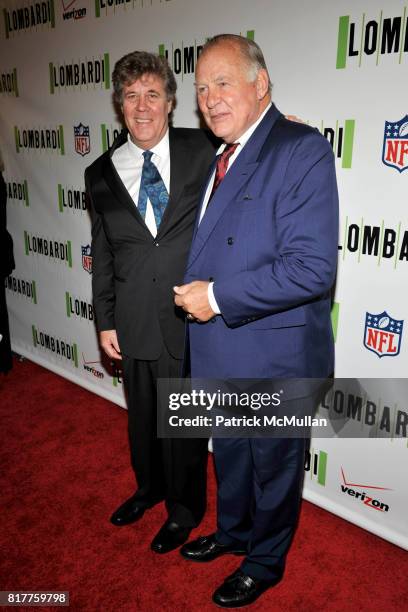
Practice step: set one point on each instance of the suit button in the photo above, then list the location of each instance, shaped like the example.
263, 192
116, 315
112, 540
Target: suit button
154, 280
230, 241
156, 244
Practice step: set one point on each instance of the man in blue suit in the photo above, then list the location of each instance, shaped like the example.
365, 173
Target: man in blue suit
258, 295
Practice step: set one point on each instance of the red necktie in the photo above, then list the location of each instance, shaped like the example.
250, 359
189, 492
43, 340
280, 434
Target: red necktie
222, 166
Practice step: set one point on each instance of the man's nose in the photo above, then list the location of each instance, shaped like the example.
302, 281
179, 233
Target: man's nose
141, 103
212, 97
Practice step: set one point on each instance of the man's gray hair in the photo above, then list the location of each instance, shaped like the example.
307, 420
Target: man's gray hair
251, 53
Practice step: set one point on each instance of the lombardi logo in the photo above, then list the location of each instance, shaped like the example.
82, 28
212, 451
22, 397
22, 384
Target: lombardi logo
377, 37
112, 6
70, 198
316, 465
31, 16
18, 192
109, 133
376, 241
60, 347
183, 58
42, 139
26, 288
341, 139
54, 250
80, 73
77, 307
8, 83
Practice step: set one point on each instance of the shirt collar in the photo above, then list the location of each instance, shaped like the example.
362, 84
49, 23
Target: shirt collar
161, 149
247, 135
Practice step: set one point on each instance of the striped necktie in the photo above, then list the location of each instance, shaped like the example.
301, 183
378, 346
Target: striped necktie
222, 166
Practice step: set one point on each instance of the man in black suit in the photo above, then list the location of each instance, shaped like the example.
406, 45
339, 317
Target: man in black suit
6, 267
144, 193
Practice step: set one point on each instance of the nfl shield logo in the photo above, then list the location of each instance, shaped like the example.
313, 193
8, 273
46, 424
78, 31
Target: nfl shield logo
82, 139
86, 258
382, 334
395, 147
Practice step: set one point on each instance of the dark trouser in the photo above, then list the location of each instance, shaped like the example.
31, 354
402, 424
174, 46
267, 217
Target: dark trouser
259, 493
171, 469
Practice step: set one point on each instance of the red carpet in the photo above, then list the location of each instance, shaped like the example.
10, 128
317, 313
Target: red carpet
64, 466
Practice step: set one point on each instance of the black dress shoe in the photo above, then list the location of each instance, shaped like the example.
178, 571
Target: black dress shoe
129, 512
171, 536
207, 548
239, 590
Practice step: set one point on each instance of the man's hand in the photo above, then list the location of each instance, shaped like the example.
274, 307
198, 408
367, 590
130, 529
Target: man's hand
193, 299
294, 118
109, 342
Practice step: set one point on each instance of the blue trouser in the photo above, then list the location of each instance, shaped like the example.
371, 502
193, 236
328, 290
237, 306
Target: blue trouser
259, 492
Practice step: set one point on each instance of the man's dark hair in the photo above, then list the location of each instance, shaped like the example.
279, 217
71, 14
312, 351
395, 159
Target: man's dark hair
134, 65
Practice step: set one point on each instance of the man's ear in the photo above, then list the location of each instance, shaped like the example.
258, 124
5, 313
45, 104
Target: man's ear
262, 83
169, 106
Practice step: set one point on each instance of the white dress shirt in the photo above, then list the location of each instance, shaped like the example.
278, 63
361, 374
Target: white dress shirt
128, 161
242, 142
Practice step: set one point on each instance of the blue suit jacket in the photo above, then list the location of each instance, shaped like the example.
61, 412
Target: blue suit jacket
269, 241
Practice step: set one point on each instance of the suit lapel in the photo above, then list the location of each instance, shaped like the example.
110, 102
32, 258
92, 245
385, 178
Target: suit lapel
179, 159
239, 174
202, 195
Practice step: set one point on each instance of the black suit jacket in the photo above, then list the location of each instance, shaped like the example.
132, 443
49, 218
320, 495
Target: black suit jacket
6, 242
134, 273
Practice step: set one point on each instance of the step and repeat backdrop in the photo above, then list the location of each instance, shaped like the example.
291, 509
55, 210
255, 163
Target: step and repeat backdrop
340, 67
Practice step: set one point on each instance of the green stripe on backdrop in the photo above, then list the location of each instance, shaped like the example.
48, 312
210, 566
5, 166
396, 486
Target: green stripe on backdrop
69, 253
75, 354
342, 41
104, 137
34, 288
335, 318
51, 69
107, 70
321, 473
67, 304
6, 28
16, 138
15, 82
349, 125
52, 13
26, 197
61, 131
60, 206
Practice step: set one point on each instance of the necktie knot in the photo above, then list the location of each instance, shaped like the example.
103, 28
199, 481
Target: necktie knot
147, 156
222, 165
229, 151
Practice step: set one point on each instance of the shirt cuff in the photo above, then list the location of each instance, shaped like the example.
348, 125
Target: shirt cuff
212, 300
